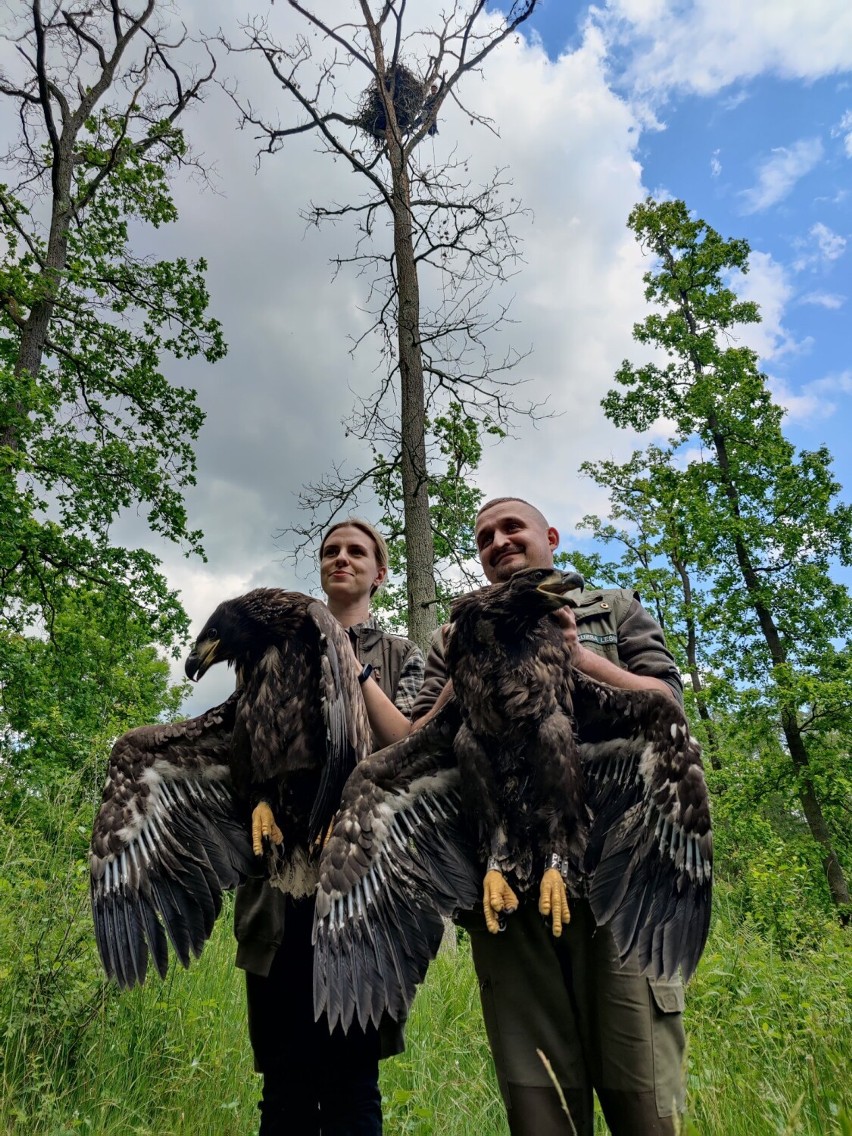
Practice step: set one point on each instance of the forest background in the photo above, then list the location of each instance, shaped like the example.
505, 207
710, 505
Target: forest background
581, 113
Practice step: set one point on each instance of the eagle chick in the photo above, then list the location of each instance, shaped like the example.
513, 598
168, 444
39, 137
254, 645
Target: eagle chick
521, 776
173, 828
533, 773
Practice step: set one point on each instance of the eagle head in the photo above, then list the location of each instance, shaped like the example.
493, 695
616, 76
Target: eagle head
519, 602
232, 633
534, 592
553, 586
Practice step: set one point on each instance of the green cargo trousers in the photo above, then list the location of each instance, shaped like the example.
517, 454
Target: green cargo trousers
603, 1028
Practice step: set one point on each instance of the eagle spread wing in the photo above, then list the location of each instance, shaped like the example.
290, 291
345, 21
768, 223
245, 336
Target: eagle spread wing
166, 841
406, 846
347, 727
650, 850
397, 860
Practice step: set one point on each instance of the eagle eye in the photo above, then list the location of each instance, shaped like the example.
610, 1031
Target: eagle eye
212, 633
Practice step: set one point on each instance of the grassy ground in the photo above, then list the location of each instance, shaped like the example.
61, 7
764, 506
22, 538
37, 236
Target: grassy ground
770, 1036
769, 1053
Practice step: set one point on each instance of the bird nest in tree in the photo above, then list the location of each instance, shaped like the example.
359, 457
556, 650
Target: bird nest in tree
409, 96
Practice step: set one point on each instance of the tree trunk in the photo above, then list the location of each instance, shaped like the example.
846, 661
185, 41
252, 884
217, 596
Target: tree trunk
812, 809
692, 663
419, 547
34, 330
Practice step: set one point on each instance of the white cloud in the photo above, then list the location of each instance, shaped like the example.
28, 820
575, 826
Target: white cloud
715, 164
821, 246
766, 283
831, 245
735, 100
706, 45
780, 172
799, 407
844, 130
830, 300
816, 401
840, 383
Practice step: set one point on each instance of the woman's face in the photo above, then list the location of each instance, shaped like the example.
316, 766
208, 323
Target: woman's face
348, 565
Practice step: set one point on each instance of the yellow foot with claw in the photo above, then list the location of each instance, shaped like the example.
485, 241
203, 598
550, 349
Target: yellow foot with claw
497, 899
263, 825
321, 841
553, 900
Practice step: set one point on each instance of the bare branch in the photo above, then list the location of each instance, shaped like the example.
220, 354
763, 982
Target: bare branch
455, 234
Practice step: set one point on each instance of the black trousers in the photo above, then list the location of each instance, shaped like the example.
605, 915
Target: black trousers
314, 1083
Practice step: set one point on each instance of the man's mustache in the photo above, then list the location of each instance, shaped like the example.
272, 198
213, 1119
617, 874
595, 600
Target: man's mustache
505, 552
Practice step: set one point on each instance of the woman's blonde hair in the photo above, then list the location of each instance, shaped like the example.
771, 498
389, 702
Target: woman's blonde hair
379, 542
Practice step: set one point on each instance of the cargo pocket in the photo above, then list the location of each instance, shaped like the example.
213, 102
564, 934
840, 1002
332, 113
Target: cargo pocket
259, 912
669, 1044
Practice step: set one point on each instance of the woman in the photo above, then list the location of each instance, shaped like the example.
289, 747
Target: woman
314, 1082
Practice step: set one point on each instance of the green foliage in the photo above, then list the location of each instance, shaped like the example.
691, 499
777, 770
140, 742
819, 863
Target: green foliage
732, 537
97, 429
50, 990
90, 426
66, 699
75, 1055
769, 1036
768, 1051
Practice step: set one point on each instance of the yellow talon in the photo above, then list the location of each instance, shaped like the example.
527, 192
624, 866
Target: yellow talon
497, 898
263, 825
321, 841
553, 900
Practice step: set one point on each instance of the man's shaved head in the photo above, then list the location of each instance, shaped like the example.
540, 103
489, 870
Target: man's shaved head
507, 500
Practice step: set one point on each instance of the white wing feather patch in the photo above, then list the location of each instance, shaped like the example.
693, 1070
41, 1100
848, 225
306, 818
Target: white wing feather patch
166, 841
397, 861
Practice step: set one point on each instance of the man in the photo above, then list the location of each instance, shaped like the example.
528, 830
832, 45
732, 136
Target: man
600, 1026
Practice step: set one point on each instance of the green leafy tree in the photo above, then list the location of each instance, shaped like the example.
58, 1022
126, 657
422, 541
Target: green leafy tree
64, 700
649, 520
90, 427
734, 506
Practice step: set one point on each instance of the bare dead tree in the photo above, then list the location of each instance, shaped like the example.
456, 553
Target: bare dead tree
372, 97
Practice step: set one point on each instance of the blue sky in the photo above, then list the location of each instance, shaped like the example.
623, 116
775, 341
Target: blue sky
760, 150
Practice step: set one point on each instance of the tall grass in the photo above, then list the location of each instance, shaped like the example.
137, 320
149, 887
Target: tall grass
770, 1035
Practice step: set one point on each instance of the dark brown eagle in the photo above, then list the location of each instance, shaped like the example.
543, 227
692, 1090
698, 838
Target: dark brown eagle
534, 772
173, 828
